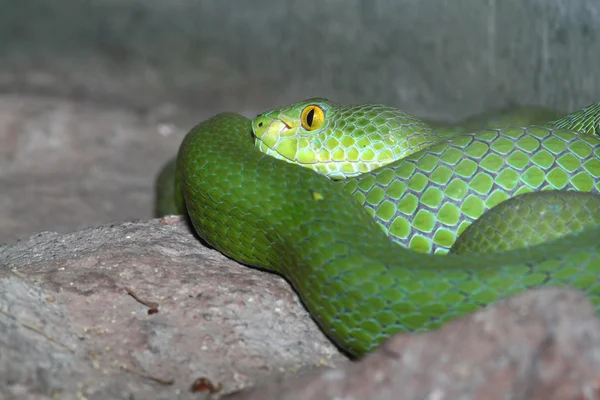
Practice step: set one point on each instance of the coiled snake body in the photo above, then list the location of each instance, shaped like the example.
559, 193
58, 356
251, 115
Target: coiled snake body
356, 249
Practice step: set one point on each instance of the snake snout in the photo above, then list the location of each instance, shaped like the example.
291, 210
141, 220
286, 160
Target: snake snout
260, 125
269, 130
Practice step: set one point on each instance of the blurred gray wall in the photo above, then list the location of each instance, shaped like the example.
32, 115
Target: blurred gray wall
441, 58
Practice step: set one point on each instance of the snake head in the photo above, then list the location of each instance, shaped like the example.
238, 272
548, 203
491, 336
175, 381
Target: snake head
293, 133
339, 141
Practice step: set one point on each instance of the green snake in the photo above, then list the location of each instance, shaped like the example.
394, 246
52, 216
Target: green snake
354, 248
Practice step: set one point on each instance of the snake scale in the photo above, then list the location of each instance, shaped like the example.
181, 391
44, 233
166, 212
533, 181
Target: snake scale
357, 245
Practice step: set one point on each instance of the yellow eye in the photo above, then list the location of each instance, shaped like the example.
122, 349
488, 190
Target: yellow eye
312, 117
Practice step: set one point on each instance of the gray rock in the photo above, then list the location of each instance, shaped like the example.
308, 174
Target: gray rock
541, 345
67, 165
70, 325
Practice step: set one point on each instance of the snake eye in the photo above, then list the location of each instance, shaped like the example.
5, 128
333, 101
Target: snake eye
312, 117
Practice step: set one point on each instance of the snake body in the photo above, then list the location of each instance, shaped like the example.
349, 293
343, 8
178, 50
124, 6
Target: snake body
343, 256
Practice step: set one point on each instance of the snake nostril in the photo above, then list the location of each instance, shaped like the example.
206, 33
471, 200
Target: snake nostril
260, 124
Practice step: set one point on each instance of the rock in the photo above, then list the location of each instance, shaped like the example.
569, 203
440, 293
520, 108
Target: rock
67, 165
143, 310
544, 344
71, 326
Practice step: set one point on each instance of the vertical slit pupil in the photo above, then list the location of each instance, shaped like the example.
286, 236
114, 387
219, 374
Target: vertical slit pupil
310, 117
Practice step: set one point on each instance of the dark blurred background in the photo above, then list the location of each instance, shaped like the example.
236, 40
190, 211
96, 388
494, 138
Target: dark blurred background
442, 58
96, 95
